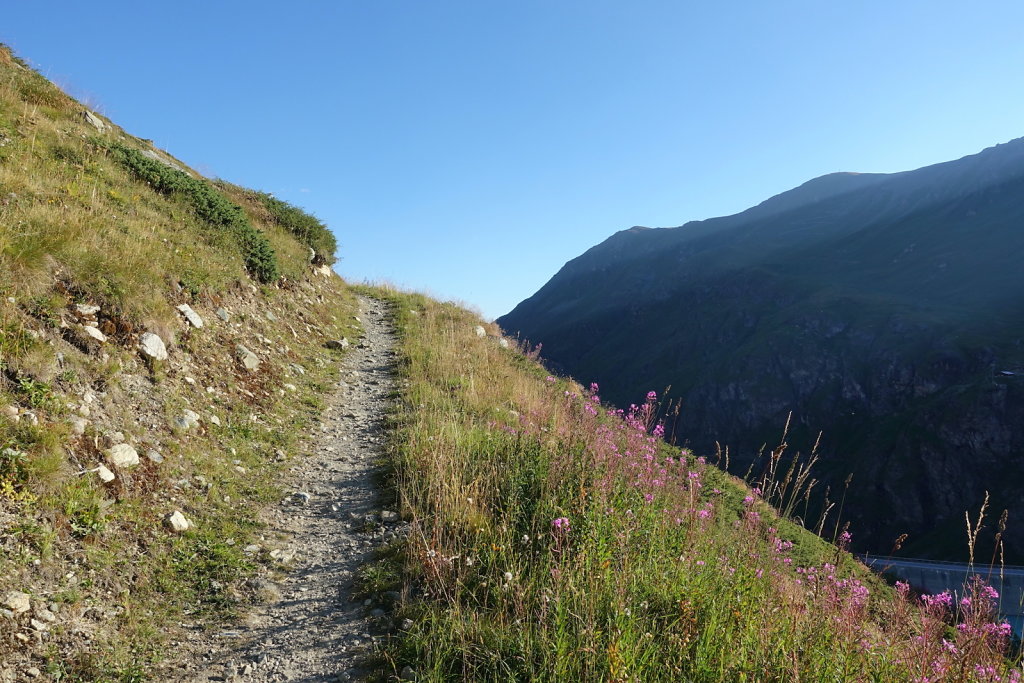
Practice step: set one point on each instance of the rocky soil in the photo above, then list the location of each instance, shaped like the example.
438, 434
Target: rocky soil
311, 626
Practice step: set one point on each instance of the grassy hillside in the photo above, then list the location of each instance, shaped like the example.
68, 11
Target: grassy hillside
559, 539
100, 244
554, 538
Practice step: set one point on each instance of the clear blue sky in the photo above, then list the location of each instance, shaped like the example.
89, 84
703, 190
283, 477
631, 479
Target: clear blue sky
470, 148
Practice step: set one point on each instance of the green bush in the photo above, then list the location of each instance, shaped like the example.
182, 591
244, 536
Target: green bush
307, 228
209, 205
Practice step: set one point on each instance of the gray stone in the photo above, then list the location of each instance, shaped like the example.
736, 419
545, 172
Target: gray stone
17, 602
290, 387
94, 333
480, 331
153, 346
408, 674
87, 309
154, 456
388, 516
223, 314
283, 556
271, 317
78, 424
190, 315
407, 624
176, 522
301, 497
94, 121
105, 475
338, 344
122, 455
249, 359
109, 439
166, 162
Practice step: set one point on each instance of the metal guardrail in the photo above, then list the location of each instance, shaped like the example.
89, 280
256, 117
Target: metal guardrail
870, 560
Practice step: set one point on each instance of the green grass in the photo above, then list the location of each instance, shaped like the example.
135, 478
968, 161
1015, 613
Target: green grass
85, 218
659, 567
209, 205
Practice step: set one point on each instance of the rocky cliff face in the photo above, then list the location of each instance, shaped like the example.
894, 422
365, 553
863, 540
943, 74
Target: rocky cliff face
881, 310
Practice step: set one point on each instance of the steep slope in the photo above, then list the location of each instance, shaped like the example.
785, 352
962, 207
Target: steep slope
880, 312
162, 352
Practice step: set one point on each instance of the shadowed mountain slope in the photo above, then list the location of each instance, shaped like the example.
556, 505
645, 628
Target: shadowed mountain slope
882, 309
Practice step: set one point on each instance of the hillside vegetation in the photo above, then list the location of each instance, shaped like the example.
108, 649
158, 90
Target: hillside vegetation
553, 536
557, 538
102, 238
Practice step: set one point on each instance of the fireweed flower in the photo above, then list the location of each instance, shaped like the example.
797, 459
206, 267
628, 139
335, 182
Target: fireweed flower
561, 525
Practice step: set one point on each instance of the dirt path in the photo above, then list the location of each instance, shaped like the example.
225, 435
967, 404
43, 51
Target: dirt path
311, 629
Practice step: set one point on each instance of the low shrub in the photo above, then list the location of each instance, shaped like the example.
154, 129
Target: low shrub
209, 204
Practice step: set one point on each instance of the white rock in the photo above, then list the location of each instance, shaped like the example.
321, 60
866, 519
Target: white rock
11, 411
31, 418
338, 344
78, 424
290, 387
191, 315
249, 359
123, 455
94, 121
388, 516
17, 602
480, 331
503, 343
104, 474
176, 522
271, 317
153, 346
223, 314
87, 309
94, 333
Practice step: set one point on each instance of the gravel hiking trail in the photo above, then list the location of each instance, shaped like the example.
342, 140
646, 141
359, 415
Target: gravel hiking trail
310, 628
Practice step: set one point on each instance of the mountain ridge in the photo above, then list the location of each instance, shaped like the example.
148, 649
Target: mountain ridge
912, 271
